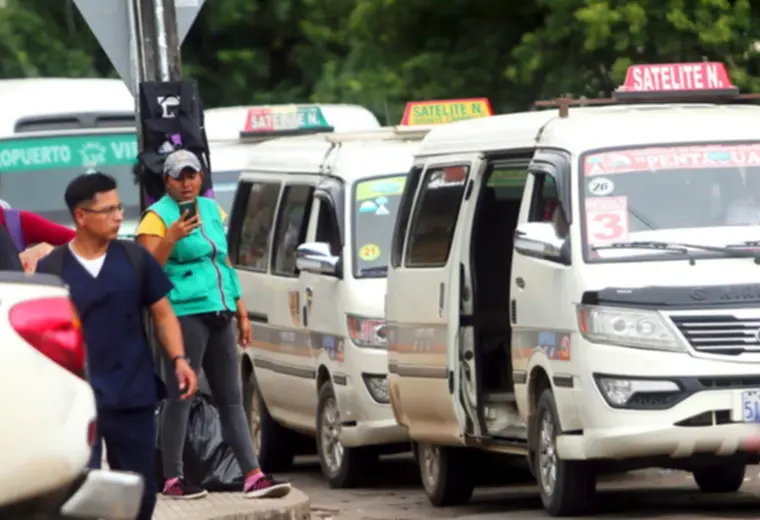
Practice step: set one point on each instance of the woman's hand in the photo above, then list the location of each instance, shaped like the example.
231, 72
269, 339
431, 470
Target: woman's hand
245, 334
183, 227
30, 256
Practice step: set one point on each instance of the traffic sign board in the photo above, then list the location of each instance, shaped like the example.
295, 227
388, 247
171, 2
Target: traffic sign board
109, 21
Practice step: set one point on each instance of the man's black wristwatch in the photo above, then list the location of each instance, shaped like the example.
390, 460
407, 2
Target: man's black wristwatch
177, 358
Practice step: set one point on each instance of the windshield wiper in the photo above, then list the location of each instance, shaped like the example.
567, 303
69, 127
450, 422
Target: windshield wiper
379, 270
660, 246
679, 247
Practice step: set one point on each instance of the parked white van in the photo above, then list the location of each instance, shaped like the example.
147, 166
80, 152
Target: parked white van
310, 236
53, 129
580, 287
233, 132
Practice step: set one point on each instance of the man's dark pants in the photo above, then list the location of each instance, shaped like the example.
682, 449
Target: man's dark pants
130, 437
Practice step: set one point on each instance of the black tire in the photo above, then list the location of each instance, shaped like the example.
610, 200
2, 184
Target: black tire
278, 444
355, 462
575, 482
450, 481
725, 478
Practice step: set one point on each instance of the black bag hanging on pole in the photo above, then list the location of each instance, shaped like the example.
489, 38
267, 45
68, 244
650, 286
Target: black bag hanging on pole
171, 115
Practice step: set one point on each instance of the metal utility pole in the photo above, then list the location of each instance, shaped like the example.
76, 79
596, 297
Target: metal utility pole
155, 50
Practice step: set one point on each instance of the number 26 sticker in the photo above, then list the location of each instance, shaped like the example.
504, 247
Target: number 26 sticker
607, 219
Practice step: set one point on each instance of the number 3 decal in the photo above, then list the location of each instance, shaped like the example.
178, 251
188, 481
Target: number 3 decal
608, 226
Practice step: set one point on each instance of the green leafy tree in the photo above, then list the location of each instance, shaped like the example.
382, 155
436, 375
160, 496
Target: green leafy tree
584, 47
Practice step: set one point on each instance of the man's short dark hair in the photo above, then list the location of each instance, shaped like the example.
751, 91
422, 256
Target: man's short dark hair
86, 187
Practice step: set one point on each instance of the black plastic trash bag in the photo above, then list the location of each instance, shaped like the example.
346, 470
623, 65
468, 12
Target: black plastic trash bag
208, 460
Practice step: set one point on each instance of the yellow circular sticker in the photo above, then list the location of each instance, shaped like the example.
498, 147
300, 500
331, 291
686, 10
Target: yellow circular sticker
369, 252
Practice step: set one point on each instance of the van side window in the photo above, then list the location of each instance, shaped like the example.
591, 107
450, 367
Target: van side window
544, 200
435, 217
253, 250
327, 228
403, 215
290, 232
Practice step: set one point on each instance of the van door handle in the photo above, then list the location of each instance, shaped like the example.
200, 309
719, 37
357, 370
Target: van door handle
441, 299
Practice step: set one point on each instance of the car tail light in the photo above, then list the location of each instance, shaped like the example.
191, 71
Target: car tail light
52, 327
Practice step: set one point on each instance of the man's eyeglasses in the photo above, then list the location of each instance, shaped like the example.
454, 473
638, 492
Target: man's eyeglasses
108, 210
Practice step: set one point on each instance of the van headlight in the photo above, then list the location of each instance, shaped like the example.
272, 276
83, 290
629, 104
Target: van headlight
626, 328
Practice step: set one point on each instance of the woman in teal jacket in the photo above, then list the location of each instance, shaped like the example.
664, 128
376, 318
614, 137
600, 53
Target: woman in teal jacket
206, 298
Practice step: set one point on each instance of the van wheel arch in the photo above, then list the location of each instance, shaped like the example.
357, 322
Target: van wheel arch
323, 375
538, 381
278, 443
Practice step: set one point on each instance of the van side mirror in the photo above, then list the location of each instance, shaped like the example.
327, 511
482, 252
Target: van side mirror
540, 240
317, 257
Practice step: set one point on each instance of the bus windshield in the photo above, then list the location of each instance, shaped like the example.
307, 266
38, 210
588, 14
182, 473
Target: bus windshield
34, 171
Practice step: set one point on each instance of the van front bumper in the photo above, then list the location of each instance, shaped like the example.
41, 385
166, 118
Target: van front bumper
368, 422
114, 495
705, 422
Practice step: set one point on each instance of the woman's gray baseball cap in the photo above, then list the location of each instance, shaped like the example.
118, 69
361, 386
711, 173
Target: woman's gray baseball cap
179, 161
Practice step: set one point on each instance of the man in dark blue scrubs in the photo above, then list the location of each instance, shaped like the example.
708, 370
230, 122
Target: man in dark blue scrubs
111, 283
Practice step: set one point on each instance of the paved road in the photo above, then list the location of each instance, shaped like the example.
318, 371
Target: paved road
395, 493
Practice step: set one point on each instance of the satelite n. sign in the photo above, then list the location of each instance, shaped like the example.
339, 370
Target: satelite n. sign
109, 21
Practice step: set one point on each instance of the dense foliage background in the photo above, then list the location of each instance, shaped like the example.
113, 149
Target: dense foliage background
382, 53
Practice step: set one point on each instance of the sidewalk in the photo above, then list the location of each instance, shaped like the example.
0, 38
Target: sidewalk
232, 506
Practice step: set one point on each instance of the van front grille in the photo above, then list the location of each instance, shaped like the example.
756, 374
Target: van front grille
723, 334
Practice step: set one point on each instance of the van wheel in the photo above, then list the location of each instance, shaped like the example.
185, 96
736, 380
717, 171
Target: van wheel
273, 443
567, 488
342, 467
447, 474
726, 478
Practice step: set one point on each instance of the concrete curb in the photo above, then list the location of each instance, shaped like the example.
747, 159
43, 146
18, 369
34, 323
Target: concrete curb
233, 506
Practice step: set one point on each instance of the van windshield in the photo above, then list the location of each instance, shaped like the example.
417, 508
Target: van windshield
637, 201
375, 206
34, 171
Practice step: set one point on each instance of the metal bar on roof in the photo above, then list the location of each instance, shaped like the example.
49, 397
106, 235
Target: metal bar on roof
564, 103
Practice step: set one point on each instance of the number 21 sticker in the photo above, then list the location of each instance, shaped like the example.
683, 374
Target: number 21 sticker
607, 219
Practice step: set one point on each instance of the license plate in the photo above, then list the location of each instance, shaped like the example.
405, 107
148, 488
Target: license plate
751, 406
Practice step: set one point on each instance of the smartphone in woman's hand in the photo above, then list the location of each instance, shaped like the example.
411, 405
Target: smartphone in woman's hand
189, 207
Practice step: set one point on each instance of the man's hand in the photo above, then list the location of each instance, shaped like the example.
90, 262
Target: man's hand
244, 331
183, 227
188, 381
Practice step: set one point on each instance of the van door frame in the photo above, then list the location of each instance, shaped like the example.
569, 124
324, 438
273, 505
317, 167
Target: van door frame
521, 159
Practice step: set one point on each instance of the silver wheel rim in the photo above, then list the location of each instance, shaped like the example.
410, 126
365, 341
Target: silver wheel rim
430, 463
547, 455
256, 422
329, 438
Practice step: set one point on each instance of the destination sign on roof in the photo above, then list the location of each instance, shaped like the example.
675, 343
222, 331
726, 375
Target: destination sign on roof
285, 118
709, 156
446, 111
678, 77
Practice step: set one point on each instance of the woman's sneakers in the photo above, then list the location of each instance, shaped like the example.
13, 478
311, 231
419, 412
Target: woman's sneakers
179, 489
260, 485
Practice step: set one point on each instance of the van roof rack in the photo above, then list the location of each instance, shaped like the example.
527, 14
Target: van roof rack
703, 82
390, 133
